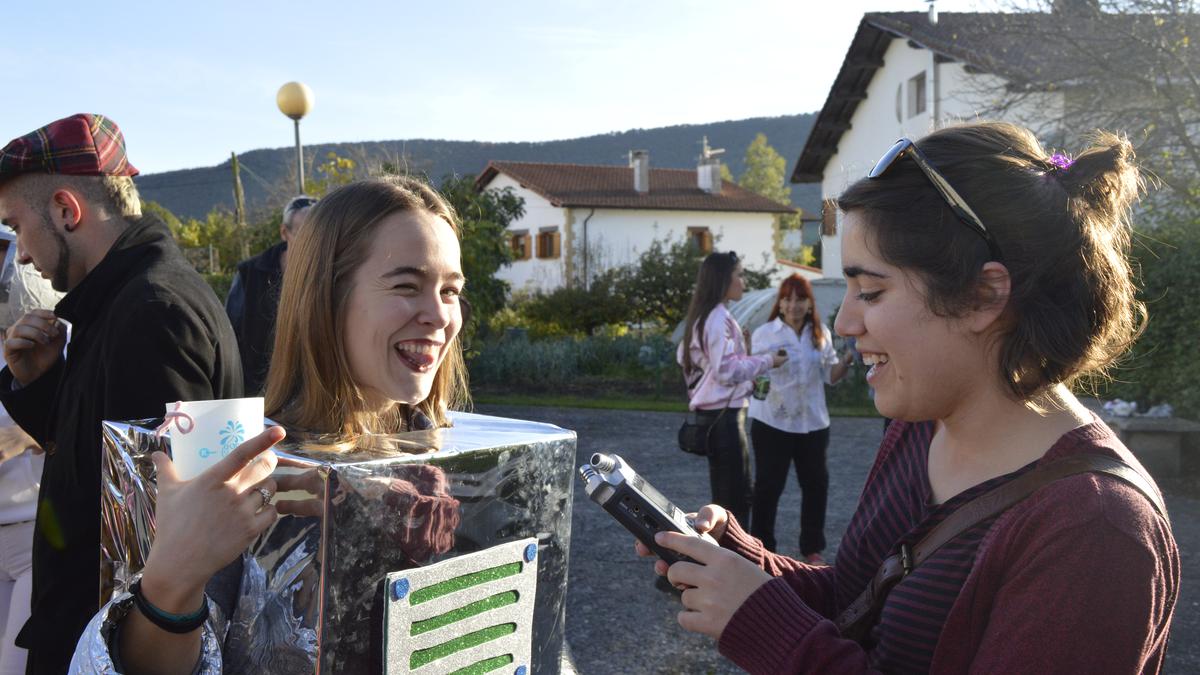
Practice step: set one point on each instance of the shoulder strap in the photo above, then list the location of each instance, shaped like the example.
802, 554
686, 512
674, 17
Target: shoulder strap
859, 616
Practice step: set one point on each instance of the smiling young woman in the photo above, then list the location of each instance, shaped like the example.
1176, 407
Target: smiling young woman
370, 312
984, 276
366, 343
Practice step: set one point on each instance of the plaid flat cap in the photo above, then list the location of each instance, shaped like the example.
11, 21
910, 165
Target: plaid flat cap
79, 145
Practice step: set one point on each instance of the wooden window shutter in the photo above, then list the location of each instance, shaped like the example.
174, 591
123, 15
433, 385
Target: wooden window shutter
829, 218
557, 247
526, 246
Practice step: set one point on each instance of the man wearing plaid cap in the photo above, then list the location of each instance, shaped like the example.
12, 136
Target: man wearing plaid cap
145, 330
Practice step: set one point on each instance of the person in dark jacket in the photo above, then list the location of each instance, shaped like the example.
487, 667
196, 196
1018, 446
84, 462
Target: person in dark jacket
254, 297
145, 329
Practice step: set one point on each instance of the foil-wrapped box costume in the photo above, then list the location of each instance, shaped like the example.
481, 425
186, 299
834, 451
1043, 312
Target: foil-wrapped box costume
479, 511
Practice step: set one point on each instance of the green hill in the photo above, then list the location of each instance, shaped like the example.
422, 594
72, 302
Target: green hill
267, 174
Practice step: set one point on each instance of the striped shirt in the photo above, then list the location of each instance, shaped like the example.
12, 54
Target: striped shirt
916, 608
1080, 577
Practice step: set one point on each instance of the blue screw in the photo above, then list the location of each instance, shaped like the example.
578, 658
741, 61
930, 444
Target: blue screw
530, 554
521, 670
399, 589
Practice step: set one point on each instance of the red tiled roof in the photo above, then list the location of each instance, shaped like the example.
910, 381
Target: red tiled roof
611, 187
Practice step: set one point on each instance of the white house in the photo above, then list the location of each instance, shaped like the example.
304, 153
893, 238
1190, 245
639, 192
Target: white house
582, 219
908, 73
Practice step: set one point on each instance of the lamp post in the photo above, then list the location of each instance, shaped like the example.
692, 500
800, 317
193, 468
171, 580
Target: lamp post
294, 100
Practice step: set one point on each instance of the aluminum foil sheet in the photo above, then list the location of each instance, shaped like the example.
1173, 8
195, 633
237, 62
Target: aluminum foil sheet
310, 592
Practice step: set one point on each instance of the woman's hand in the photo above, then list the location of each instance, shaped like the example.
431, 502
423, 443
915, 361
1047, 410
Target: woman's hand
778, 358
203, 524
714, 586
710, 521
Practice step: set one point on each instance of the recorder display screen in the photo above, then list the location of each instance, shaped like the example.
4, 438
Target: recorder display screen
654, 496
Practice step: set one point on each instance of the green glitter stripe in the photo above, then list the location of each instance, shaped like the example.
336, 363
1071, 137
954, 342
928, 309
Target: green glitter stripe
425, 656
461, 583
478, 607
485, 666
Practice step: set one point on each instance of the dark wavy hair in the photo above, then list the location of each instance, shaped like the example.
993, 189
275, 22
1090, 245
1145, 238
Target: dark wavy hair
712, 283
1064, 232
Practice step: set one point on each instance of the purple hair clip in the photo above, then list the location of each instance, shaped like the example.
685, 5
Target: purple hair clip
1060, 161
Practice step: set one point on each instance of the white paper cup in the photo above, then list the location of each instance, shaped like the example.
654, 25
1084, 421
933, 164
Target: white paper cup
217, 427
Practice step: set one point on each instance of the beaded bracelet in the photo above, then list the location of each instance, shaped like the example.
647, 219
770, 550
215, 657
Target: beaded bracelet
172, 623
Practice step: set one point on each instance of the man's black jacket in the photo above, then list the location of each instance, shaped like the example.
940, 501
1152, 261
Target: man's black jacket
252, 305
146, 330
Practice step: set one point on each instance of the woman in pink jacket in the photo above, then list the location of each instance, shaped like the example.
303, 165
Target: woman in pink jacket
720, 375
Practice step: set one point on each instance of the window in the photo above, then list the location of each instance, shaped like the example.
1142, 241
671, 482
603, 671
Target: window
829, 218
701, 238
916, 95
548, 243
519, 240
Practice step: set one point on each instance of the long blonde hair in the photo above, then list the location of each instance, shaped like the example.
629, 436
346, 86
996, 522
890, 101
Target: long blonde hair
309, 386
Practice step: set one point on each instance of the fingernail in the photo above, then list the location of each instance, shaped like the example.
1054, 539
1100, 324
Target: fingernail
660, 537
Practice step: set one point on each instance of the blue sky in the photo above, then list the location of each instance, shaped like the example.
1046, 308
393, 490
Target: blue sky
190, 82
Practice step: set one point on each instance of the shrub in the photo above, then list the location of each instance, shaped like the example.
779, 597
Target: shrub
220, 283
516, 361
1161, 368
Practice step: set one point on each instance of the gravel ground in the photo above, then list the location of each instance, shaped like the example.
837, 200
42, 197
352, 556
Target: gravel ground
617, 622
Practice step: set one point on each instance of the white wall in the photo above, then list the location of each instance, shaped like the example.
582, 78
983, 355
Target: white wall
618, 236
875, 125
539, 213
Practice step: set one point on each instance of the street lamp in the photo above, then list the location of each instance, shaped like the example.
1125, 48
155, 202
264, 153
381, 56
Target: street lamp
294, 100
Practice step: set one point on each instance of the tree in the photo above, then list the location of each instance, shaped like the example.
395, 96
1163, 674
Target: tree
658, 286
1119, 65
485, 217
162, 213
765, 173
334, 172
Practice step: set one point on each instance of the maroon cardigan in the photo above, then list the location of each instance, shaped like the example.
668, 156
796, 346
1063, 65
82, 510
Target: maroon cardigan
1080, 577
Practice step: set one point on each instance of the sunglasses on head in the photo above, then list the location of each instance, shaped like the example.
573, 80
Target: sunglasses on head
906, 148
300, 203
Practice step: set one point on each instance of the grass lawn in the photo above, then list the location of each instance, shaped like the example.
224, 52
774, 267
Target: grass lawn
610, 401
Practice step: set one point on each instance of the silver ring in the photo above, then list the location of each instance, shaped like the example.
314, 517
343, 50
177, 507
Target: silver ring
266, 495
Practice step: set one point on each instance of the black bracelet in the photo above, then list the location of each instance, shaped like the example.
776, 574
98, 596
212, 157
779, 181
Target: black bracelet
172, 623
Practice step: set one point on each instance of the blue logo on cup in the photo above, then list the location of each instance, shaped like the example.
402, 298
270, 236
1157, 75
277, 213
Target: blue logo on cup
231, 436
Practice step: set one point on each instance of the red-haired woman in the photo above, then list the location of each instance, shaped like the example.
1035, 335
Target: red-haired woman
791, 423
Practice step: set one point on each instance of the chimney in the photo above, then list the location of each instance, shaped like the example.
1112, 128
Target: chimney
708, 176
639, 161
708, 172
933, 17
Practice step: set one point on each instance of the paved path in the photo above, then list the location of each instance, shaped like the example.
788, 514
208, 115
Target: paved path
617, 622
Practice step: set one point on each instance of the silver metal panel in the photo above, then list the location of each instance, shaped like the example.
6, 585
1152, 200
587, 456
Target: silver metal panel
310, 594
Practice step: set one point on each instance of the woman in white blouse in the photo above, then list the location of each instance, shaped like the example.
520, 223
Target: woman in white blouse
790, 424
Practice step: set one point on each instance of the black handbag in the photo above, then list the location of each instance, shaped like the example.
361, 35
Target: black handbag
693, 434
